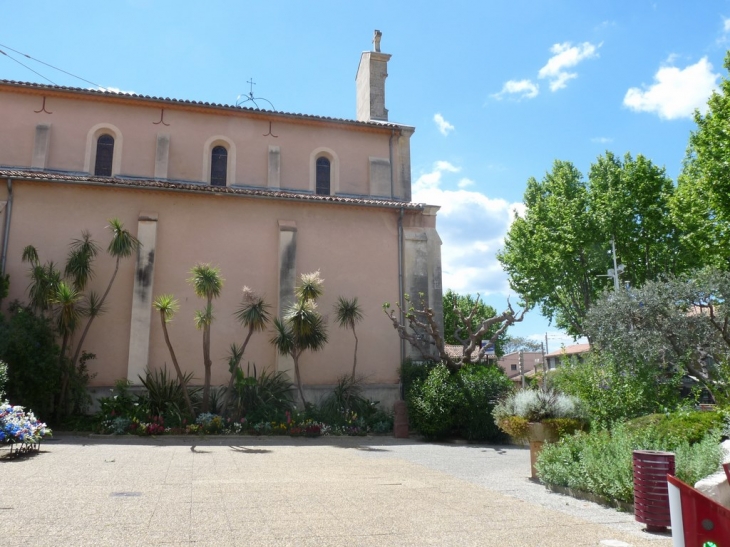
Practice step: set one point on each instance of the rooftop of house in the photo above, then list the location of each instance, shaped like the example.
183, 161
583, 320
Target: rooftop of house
575, 349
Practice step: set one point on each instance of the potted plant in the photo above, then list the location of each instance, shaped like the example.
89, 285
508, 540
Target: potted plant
539, 416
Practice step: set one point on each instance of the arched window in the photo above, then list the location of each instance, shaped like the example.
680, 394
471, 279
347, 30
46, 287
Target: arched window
218, 166
323, 176
104, 156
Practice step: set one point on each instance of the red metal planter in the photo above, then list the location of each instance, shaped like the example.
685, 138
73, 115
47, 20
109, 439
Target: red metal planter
651, 495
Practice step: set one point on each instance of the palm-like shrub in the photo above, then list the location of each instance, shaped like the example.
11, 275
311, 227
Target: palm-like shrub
207, 283
253, 314
168, 306
165, 396
302, 327
348, 313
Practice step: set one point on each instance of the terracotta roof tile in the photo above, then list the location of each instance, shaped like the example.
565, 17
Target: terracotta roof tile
152, 184
205, 104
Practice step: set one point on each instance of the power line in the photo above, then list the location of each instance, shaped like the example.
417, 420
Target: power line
26, 66
44, 63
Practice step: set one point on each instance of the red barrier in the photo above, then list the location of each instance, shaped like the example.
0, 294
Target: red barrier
696, 519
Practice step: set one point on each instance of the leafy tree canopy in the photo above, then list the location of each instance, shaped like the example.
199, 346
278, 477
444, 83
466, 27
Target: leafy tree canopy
558, 253
680, 325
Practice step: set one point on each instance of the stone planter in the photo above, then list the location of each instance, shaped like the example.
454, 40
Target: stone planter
539, 434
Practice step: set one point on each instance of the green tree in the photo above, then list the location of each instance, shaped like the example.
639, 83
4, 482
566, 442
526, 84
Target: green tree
167, 305
676, 326
702, 205
348, 313
557, 255
207, 283
302, 328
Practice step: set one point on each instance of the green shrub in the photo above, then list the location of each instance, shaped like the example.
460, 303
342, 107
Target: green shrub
346, 401
28, 347
536, 405
613, 391
444, 403
432, 403
601, 462
164, 397
411, 372
480, 387
262, 397
688, 426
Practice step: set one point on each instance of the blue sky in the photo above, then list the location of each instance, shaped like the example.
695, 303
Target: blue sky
497, 90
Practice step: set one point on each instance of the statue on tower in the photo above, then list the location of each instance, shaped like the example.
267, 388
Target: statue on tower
376, 40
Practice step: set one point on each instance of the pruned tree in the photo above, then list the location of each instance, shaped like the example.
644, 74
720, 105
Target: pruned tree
422, 331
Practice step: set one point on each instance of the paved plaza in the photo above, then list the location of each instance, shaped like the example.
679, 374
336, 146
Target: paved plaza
276, 491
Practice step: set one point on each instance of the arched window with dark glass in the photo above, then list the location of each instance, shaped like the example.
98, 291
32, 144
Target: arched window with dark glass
104, 156
323, 176
218, 166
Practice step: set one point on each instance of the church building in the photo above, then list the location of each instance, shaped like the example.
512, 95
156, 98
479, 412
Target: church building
261, 194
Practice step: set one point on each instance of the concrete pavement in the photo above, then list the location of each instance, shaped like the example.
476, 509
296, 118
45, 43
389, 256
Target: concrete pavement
279, 491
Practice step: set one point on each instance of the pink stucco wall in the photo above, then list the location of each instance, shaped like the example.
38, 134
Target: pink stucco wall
73, 117
354, 248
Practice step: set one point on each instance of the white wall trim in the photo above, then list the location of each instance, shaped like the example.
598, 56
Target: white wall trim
334, 169
94, 133
212, 142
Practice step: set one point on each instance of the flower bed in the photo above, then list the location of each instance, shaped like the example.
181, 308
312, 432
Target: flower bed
20, 429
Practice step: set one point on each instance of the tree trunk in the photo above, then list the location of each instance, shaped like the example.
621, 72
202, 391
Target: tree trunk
295, 356
63, 365
354, 361
180, 376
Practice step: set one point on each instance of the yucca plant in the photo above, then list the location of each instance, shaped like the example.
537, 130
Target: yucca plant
167, 306
253, 314
302, 328
207, 283
122, 245
348, 313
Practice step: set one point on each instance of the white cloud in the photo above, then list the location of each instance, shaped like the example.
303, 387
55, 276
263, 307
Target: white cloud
115, 90
726, 25
472, 227
602, 140
675, 93
566, 56
444, 127
522, 89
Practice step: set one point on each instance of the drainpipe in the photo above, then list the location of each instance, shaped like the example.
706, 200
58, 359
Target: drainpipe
400, 281
6, 231
390, 159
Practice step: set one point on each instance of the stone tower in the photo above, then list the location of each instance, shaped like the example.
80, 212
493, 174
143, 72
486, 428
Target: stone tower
370, 81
